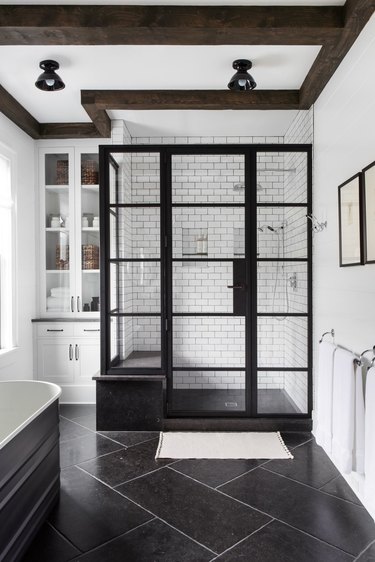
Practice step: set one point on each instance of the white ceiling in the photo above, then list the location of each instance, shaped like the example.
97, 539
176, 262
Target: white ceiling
155, 67
159, 67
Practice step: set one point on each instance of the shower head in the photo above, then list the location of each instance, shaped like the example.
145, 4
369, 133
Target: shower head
271, 229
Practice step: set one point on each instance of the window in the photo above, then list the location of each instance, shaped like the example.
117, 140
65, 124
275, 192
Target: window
6, 252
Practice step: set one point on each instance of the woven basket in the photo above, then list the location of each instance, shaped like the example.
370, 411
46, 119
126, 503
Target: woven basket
89, 172
90, 256
62, 263
62, 172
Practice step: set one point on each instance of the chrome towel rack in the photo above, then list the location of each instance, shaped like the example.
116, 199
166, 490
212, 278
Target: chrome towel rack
357, 361
331, 332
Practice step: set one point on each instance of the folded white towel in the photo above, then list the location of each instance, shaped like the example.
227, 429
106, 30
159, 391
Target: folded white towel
58, 303
359, 431
343, 409
60, 292
323, 433
369, 487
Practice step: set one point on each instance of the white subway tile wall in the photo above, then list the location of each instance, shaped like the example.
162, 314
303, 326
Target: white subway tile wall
202, 287
209, 341
225, 380
282, 341
208, 178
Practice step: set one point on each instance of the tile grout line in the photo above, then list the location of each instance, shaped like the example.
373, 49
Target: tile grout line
314, 537
222, 493
93, 458
239, 476
148, 511
101, 435
62, 535
134, 444
140, 476
267, 514
364, 550
242, 540
315, 489
114, 538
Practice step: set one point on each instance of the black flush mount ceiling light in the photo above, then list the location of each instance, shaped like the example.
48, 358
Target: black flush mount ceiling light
49, 81
242, 80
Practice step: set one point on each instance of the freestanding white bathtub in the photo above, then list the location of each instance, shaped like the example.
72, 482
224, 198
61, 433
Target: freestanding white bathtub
29, 461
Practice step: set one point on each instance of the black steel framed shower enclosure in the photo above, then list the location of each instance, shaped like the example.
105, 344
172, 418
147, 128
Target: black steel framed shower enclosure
156, 252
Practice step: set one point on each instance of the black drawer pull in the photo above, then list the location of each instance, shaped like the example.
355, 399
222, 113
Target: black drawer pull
96, 330
61, 330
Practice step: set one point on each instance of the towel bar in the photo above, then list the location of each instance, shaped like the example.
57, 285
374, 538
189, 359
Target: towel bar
331, 332
359, 361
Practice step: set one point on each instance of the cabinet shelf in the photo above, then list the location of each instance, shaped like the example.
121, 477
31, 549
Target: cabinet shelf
57, 187
90, 229
90, 270
89, 187
49, 271
60, 229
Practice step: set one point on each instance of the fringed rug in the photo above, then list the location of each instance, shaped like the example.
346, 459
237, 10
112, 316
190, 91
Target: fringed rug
221, 445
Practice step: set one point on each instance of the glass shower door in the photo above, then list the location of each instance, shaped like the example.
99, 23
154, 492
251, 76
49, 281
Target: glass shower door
209, 285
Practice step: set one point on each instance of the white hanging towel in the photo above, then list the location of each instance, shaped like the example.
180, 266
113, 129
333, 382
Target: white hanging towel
359, 431
369, 486
343, 406
323, 433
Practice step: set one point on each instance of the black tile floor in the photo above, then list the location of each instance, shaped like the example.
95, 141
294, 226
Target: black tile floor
118, 504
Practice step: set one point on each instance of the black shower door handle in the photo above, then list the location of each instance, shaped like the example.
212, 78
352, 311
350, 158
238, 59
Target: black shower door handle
241, 286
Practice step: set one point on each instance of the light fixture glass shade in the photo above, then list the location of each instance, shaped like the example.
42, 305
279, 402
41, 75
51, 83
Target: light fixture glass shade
242, 80
49, 81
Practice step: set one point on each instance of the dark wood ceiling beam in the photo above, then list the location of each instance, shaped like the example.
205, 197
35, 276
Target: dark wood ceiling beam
189, 99
168, 25
18, 114
356, 15
97, 114
68, 131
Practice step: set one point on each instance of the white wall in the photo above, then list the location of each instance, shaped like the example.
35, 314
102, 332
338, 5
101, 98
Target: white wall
344, 116
19, 364
344, 298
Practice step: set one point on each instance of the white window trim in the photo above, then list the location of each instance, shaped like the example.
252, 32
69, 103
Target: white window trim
8, 352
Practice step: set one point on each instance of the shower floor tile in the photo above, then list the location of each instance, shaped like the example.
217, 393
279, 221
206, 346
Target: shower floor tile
197, 510
270, 401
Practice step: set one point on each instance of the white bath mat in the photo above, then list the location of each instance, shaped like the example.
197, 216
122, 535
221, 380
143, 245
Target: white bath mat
221, 445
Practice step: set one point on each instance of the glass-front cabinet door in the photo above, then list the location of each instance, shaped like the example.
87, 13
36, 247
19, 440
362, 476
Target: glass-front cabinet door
88, 234
70, 243
57, 178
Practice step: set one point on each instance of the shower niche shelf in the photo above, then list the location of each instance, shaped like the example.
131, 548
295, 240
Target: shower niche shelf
194, 242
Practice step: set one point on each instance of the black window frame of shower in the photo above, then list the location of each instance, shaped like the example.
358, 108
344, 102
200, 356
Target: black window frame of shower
251, 205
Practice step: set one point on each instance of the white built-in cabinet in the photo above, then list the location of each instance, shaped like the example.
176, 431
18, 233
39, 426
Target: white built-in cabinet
66, 332
69, 219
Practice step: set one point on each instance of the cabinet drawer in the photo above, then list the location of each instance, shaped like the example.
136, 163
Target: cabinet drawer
89, 329
55, 329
